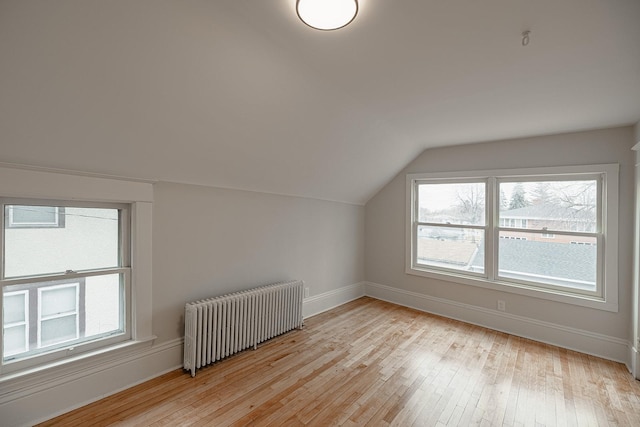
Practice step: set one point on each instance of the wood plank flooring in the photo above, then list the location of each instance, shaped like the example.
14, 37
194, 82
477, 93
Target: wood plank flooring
374, 363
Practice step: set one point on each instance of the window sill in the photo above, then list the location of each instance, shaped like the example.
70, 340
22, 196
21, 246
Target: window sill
30, 380
545, 294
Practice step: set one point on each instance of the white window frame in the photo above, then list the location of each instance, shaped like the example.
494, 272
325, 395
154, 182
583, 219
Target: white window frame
35, 183
416, 224
606, 298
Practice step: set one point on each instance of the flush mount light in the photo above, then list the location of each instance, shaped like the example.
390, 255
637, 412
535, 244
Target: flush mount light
327, 14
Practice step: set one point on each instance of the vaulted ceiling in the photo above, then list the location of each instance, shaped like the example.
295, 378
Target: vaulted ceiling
241, 94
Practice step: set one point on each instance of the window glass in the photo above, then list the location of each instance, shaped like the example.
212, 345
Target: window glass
14, 307
58, 313
89, 240
549, 205
452, 203
15, 323
452, 248
58, 330
58, 300
67, 311
104, 305
555, 262
15, 340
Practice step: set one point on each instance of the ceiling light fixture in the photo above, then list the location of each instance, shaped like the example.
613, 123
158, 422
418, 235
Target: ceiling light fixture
327, 14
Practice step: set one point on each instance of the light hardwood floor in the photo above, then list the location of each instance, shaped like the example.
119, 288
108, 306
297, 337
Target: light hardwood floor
373, 363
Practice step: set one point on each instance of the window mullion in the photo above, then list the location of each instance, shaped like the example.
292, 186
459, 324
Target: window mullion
491, 234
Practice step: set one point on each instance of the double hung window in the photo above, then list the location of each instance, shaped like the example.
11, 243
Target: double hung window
451, 225
547, 232
65, 277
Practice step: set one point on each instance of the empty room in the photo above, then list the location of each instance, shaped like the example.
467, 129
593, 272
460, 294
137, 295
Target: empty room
314, 212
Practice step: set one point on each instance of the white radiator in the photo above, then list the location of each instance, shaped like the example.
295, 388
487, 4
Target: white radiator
218, 327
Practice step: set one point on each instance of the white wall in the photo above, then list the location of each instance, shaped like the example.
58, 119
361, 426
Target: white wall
210, 241
567, 325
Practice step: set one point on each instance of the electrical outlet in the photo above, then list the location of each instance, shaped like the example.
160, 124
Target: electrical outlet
502, 306
306, 292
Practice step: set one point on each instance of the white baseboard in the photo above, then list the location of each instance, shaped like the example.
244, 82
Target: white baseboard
604, 346
328, 300
634, 361
30, 404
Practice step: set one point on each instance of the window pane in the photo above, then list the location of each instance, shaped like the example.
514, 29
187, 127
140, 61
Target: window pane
457, 203
58, 300
61, 329
104, 305
15, 340
549, 205
89, 240
566, 261
448, 247
14, 307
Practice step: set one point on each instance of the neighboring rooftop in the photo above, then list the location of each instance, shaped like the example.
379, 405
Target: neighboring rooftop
562, 260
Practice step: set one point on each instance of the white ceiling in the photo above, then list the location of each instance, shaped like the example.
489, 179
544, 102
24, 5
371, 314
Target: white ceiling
241, 94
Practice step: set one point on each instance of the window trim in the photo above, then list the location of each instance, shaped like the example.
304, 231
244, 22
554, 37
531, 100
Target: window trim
610, 175
42, 183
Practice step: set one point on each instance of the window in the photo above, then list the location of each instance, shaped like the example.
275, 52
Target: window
63, 288
538, 232
100, 342
450, 225
555, 205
